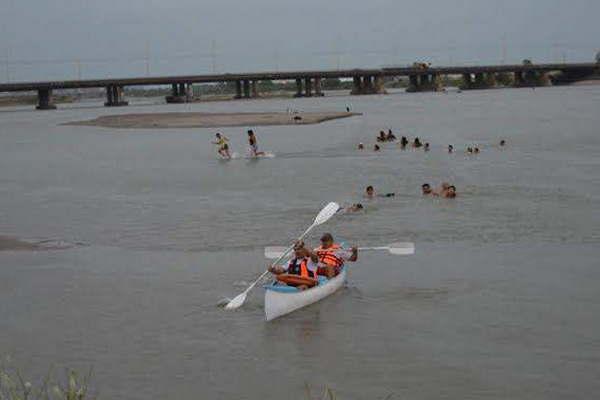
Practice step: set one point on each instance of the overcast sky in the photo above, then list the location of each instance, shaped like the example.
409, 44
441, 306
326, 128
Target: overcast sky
64, 39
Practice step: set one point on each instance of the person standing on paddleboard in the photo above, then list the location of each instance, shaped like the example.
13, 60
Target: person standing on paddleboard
223, 144
253, 143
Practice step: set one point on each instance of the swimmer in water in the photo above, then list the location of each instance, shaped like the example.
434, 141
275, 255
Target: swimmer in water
376, 148
381, 138
417, 143
370, 193
390, 136
450, 192
426, 148
502, 143
426, 189
253, 143
450, 148
354, 208
361, 146
223, 143
469, 150
476, 150
403, 142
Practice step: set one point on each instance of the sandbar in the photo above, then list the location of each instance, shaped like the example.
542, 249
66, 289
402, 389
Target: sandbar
209, 120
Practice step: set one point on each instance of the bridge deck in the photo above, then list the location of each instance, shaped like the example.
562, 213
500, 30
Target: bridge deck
290, 75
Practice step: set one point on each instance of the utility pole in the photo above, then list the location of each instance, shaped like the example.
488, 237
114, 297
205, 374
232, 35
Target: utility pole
276, 57
213, 55
147, 58
504, 50
7, 64
78, 69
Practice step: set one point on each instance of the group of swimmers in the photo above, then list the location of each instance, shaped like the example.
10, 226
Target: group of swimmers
416, 143
305, 267
223, 145
445, 190
390, 137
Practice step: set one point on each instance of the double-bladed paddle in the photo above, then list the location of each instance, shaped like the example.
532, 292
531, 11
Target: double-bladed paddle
326, 213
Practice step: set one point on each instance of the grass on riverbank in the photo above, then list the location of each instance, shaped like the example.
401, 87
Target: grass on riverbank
74, 386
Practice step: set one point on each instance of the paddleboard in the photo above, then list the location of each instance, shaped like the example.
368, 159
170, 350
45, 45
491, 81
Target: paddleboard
234, 156
267, 154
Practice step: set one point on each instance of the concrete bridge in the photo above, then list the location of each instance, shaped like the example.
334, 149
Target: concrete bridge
308, 83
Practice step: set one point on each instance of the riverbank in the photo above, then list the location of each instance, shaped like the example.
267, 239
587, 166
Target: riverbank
209, 120
10, 243
24, 100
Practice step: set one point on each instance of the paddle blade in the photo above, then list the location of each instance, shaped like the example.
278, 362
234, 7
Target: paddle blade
274, 252
237, 302
402, 248
327, 212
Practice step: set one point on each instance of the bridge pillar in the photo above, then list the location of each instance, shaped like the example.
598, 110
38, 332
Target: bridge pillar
378, 86
482, 80
357, 87
308, 87
479, 81
413, 83
254, 86
238, 89
490, 79
519, 79
180, 93
114, 96
45, 100
424, 83
467, 81
246, 88
298, 88
318, 87
367, 87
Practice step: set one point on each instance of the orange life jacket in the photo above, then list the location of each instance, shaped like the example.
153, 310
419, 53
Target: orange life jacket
328, 256
300, 269
298, 274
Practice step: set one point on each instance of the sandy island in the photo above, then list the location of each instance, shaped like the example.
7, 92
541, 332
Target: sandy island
10, 243
209, 120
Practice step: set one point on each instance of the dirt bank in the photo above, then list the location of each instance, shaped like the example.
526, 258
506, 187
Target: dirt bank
207, 120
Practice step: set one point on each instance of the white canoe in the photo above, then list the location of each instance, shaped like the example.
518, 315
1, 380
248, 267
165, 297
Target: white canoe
282, 300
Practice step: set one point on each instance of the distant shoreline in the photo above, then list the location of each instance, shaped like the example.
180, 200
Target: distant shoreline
209, 120
8, 243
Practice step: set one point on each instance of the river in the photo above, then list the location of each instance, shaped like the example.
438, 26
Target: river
501, 299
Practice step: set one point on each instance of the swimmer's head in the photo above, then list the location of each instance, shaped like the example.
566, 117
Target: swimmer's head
250, 132
451, 191
426, 188
218, 135
370, 191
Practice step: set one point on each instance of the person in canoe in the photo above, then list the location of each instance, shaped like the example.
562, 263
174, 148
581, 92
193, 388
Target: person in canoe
332, 256
223, 143
301, 271
253, 143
